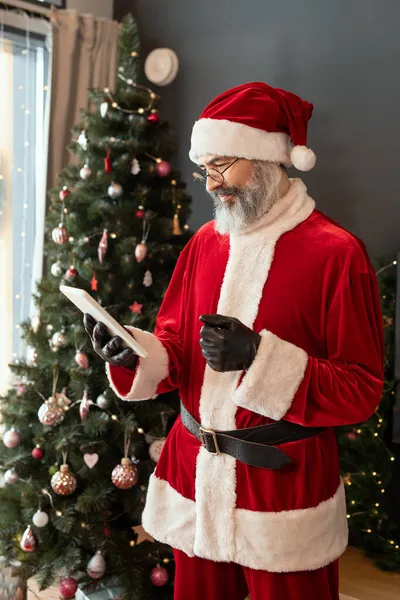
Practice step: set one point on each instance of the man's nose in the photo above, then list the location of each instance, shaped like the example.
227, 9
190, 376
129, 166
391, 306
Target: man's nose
212, 185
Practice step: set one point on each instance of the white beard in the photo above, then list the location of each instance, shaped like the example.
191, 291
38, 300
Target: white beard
251, 201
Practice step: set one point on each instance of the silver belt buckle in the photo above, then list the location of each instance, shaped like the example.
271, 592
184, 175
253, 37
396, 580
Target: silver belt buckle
202, 431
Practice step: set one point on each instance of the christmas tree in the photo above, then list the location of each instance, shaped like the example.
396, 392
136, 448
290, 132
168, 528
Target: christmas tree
70, 508
366, 458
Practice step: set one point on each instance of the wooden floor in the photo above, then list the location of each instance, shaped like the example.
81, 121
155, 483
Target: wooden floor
362, 581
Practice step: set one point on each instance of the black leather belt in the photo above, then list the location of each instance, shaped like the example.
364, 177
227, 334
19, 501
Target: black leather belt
252, 445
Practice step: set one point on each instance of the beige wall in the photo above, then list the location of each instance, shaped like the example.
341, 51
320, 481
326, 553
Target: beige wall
98, 8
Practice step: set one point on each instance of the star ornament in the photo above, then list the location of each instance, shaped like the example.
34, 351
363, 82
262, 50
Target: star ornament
136, 308
94, 283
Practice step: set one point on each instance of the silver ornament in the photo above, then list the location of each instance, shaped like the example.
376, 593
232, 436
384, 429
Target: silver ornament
82, 140
103, 109
148, 279
56, 269
35, 323
85, 172
96, 566
135, 168
103, 402
40, 518
11, 477
115, 190
58, 340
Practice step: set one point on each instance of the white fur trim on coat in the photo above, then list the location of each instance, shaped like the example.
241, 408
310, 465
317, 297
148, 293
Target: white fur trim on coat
269, 386
221, 137
279, 542
151, 370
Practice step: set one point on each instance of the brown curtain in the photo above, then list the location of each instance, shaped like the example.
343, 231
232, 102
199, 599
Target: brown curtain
85, 55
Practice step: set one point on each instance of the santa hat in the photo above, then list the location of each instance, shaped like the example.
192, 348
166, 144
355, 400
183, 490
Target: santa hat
257, 122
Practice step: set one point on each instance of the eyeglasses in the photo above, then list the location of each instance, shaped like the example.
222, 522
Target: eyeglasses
215, 175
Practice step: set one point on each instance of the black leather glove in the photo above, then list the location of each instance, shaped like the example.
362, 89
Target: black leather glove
110, 349
227, 344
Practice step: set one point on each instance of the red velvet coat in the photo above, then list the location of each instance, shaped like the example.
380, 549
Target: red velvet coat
307, 286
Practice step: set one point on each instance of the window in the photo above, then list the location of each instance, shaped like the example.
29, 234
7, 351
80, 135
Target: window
24, 107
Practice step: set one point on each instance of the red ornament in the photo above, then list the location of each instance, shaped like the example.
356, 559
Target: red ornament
125, 475
153, 118
28, 542
64, 193
140, 214
71, 273
108, 163
94, 283
60, 235
352, 436
68, 587
38, 453
163, 168
103, 245
159, 576
136, 308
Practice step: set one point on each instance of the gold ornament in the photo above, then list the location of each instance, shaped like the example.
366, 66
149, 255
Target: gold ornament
176, 230
64, 482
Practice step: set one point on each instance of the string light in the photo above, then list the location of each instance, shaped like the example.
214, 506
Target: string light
132, 543
59, 513
114, 417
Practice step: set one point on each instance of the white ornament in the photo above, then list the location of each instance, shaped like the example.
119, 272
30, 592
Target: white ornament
11, 438
148, 279
82, 140
35, 323
103, 109
91, 460
56, 269
135, 168
115, 190
58, 340
11, 477
40, 518
155, 449
85, 172
96, 566
161, 66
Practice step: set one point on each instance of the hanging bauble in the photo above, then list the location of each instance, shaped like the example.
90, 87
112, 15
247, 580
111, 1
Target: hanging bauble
60, 235
153, 118
64, 482
64, 193
68, 587
28, 542
163, 168
82, 140
38, 453
71, 273
176, 228
91, 459
85, 172
11, 438
141, 251
40, 518
82, 359
84, 406
103, 402
155, 449
94, 283
159, 576
103, 245
135, 168
103, 109
35, 323
115, 190
11, 477
140, 212
53, 469
96, 566
125, 475
51, 415
58, 340
108, 163
49, 328
56, 269
21, 389
148, 279
34, 357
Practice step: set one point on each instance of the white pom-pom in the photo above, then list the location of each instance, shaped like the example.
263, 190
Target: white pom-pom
303, 158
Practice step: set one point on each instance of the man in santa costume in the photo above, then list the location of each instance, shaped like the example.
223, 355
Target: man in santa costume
271, 330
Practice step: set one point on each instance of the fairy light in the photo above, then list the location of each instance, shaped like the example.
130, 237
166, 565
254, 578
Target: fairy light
59, 513
392, 458
132, 543
114, 417
140, 430
369, 531
166, 561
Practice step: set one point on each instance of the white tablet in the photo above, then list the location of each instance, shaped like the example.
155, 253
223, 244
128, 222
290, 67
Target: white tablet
87, 304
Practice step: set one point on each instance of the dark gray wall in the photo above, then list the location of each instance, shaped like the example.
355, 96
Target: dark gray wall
343, 56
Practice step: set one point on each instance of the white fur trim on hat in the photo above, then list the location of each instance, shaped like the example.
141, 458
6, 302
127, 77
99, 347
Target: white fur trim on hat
303, 158
221, 137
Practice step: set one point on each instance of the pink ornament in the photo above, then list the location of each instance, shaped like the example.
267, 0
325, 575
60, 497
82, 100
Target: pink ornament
82, 359
103, 245
153, 118
21, 388
28, 542
38, 453
84, 406
11, 438
64, 193
68, 587
141, 252
71, 273
163, 168
159, 576
96, 566
352, 436
60, 235
140, 214
125, 475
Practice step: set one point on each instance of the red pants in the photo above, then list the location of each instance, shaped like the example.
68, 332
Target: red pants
200, 579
